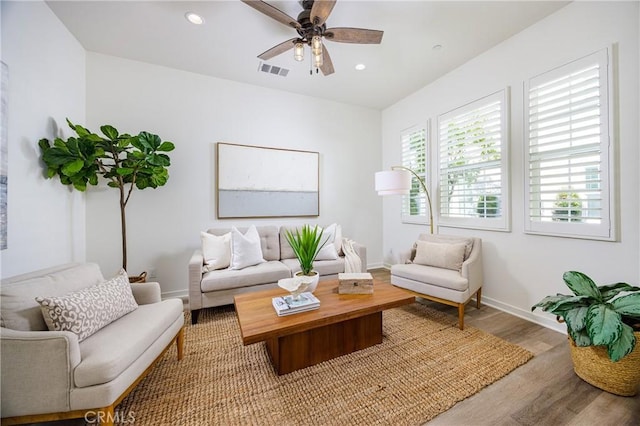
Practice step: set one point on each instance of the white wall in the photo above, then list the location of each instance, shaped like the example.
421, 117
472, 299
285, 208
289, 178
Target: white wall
195, 112
521, 269
46, 221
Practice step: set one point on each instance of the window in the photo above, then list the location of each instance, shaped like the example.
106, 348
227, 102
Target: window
568, 150
414, 147
472, 163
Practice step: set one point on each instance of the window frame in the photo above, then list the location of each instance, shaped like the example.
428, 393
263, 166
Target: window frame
405, 199
502, 223
607, 229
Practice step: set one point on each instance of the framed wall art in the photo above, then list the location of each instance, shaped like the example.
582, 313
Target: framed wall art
254, 182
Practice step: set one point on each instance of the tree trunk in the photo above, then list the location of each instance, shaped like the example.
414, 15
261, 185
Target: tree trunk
123, 225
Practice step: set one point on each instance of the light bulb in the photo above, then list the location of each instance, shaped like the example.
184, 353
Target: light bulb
317, 60
316, 45
298, 52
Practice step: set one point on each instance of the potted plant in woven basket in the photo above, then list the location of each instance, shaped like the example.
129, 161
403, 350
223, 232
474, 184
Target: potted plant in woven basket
306, 244
124, 161
603, 323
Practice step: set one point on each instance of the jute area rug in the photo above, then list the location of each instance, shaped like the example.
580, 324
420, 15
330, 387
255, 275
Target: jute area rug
423, 367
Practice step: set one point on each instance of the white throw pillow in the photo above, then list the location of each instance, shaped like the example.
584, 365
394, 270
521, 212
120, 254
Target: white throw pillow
86, 311
338, 240
245, 249
440, 255
216, 250
328, 251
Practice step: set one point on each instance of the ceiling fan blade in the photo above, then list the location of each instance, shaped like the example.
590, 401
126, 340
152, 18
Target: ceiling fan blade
280, 48
321, 10
354, 35
327, 65
273, 12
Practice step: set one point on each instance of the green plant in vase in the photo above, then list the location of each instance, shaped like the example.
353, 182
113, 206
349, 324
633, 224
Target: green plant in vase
603, 323
306, 243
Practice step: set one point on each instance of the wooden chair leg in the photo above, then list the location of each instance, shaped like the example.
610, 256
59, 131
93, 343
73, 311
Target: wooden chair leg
180, 343
461, 316
478, 296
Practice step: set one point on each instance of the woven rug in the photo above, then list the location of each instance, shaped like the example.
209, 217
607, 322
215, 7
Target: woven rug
423, 367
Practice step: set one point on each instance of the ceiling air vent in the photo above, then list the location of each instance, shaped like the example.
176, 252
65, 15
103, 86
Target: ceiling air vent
272, 69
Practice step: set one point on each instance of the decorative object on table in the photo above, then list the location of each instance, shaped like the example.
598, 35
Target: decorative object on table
254, 181
296, 286
397, 181
355, 283
312, 29
287, 305
603, 323
125, 161
306, 244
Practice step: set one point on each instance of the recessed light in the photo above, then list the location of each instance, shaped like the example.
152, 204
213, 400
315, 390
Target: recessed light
437, 47
360, 67
194, 18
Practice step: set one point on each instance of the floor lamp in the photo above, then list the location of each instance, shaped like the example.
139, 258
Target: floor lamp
398, 181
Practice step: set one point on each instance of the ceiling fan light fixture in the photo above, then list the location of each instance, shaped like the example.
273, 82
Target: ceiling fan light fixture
316, 45
298, 51
194, 18
317, 61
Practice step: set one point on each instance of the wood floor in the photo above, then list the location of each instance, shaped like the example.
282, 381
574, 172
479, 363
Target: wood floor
545, 391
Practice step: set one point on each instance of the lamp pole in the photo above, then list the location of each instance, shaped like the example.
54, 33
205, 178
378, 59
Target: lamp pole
423, 187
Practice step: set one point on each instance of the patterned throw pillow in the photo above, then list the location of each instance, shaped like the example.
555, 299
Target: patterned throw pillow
86, 311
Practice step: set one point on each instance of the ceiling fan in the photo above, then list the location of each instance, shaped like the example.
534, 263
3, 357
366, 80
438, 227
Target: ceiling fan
311, 28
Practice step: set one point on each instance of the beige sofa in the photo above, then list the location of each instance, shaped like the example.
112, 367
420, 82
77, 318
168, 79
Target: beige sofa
218, 287
51, 375
448, 285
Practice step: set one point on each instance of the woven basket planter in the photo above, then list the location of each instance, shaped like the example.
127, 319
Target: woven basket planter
142, 278
592, 364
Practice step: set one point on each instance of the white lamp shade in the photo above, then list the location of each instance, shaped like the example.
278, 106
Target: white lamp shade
393, 182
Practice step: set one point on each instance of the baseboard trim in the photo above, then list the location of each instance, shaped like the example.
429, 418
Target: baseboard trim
526, 315
179, 294
376, 266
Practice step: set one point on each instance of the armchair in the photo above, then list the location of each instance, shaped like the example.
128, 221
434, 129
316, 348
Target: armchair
444, 269
54, 375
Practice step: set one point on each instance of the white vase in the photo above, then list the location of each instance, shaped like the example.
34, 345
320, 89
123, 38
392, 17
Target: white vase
312, 280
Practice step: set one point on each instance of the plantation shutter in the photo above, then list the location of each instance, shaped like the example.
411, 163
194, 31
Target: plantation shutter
414, 205
472, 166
567, 135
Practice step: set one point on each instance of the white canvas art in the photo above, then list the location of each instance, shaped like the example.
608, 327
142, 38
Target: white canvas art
254, 181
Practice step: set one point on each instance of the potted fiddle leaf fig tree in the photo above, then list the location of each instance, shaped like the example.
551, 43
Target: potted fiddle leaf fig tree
124, 161
603, 323
306, 244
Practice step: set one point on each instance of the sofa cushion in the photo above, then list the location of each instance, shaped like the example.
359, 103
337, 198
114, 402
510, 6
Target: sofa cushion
269, 239
328, 250
18, 307
440, 277
245, 248
264, 273
438, 238
286, 252
323, 267
448, 256
216, 250
85, 311
110, 351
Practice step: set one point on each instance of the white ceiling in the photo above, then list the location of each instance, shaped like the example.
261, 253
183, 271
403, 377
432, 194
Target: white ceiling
233, 35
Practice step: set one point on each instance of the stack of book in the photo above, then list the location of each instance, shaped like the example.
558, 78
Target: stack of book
286, 305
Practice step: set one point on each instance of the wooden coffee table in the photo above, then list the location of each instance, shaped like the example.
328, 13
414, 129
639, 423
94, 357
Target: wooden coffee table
344, 323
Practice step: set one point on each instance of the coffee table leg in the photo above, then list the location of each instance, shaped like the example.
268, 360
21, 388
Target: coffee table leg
307, 348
